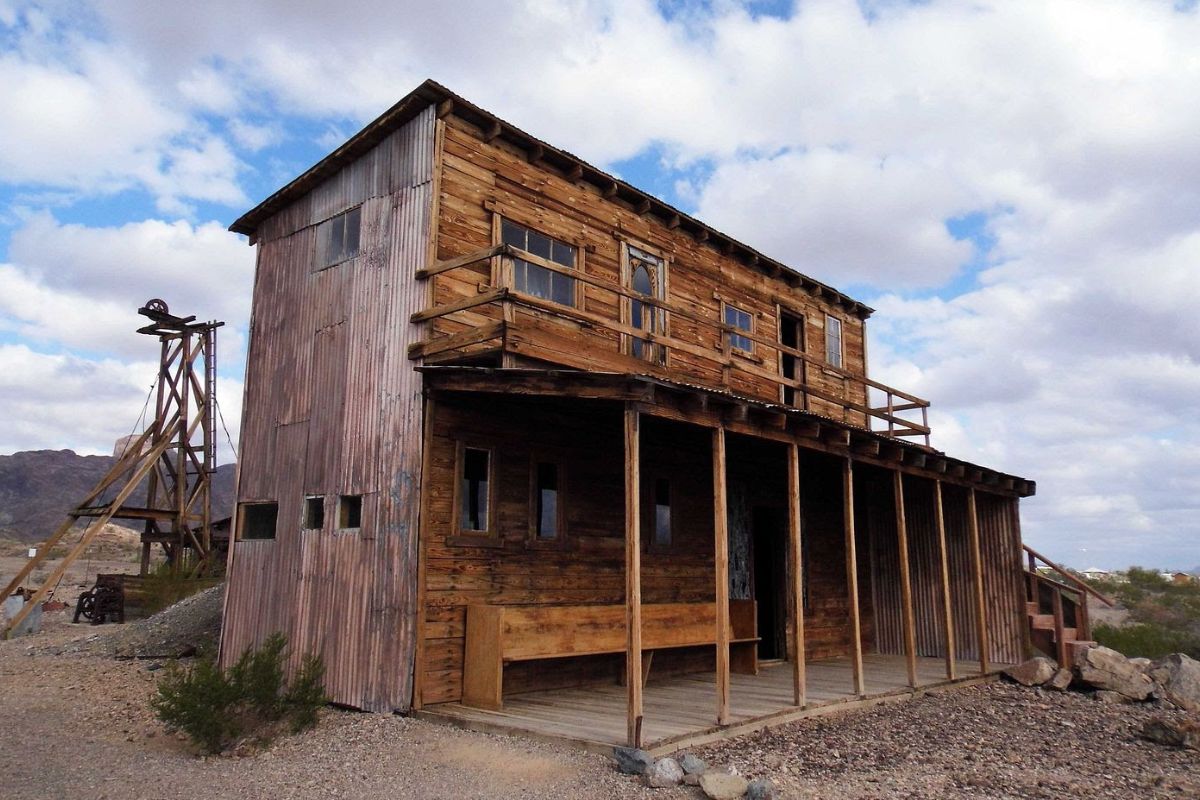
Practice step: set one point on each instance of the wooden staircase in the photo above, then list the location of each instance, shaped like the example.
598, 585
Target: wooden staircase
1057, 610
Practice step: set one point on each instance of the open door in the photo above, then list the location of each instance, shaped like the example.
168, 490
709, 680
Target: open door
770, 581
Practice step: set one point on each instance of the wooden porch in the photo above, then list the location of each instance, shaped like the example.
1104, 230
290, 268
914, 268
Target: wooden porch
680, 710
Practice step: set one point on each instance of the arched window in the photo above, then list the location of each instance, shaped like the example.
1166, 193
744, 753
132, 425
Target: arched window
646, 278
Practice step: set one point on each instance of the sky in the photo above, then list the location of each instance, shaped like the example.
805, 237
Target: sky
1014, 186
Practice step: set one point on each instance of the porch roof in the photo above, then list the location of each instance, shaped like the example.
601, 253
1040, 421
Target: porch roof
710, 407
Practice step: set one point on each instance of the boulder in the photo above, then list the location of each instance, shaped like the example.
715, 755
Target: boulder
1033, 672
723, 786
1178, 679
1114, 698
1060, 680
1141, 663
664, 773
1105, 669
693, 765
760, 790
1173, 732
633, 761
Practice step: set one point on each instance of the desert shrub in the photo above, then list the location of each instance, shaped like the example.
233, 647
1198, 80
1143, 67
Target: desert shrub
1147, 640
215, 708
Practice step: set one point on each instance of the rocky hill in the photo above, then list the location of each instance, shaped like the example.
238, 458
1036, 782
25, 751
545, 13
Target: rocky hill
38, 487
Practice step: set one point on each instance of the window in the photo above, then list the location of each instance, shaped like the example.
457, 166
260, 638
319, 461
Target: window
314, 513
475, 470
647, 276
662, 512
258, 520
350, 511
743, 321
547, 505
833, 340
535, 279
338, 238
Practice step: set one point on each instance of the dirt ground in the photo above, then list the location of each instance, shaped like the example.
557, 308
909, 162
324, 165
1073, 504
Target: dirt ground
75, 723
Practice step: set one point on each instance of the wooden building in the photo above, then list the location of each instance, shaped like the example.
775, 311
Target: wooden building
527, 448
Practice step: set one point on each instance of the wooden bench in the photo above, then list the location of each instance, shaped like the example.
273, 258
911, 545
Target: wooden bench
497, 635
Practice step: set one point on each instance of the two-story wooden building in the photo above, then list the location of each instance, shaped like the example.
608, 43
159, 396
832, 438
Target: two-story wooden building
526, 447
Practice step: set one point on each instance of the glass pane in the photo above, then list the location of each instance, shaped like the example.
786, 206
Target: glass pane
521, 275
337, 229
562, 289
641, 281
512, 233
353, 229
636, 314
662, 512
474, 510
539, 245
538, 281
730, 315
547, 501
563, 254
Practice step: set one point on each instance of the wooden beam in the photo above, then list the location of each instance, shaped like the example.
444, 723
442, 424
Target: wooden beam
633, 577
643, 206
575, 172
611, 190
721, 562
906, 600
796, 571
947, 608
493, 131
423, 536
856, 658
981, 631
445, 108
673, 222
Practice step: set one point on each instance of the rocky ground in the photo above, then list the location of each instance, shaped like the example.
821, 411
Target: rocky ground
77, 724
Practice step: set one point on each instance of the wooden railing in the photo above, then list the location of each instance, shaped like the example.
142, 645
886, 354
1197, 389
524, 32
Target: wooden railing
1064, 596
891, 418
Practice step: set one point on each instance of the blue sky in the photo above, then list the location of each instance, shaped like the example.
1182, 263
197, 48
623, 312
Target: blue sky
1013, 185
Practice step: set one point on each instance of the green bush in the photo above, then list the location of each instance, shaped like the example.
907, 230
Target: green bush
1147, 640
215, 708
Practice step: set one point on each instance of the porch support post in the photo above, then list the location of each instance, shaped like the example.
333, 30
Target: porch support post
856, 659
947, 608
721, 563
981, 631
906, 600
633, 577
796, 569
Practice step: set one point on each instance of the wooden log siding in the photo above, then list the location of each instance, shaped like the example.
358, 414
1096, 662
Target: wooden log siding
481, 178
332, 406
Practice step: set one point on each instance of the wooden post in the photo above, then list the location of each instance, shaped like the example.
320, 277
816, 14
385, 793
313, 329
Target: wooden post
947, 609
856, 659
721, 563
906, 600
633, 577
796, 567
1060, 639
981, 631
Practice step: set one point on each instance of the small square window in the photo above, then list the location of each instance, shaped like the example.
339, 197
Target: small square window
314, 513
350, 511
259, 520
338, 238
741, 320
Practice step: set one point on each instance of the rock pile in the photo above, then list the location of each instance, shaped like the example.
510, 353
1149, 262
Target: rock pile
1172, 682
717, 784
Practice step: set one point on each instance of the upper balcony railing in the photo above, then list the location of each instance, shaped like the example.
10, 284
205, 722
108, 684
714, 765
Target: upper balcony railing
814, 387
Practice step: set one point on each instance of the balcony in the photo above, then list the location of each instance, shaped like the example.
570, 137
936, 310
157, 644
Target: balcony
691, 344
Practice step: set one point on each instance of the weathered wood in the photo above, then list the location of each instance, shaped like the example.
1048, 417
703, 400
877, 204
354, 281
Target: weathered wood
423, 528
947, 604
796, 574
721, 563
906, 600
981, 628
856, 656
633, 576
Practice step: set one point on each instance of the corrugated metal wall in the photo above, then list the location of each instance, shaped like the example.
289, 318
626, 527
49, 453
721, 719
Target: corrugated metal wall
333, 407
999, 546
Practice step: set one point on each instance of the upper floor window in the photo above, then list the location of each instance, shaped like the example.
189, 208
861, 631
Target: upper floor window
647, 277
833, 341
533, 278
742, 321
338, 238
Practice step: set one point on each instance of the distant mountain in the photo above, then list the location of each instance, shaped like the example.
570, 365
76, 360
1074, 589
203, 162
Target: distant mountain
38, 488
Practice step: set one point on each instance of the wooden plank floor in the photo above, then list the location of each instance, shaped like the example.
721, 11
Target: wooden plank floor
682, 708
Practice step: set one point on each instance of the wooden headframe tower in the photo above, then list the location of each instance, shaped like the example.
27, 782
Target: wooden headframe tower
175, 458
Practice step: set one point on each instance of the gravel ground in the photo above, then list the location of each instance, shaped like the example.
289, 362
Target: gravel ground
995, 740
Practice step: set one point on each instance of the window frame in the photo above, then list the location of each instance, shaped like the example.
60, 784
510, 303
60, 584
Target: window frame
308, 502
663, 278
490, 537
839, 363
504, 270
729, 335
537, 458
322, 257
341, 499
241, 528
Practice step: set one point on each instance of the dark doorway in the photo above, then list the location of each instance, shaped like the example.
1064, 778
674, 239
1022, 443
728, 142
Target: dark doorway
791, 334
770, 580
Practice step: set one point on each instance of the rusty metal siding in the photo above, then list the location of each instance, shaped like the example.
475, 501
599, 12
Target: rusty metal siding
333, 408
